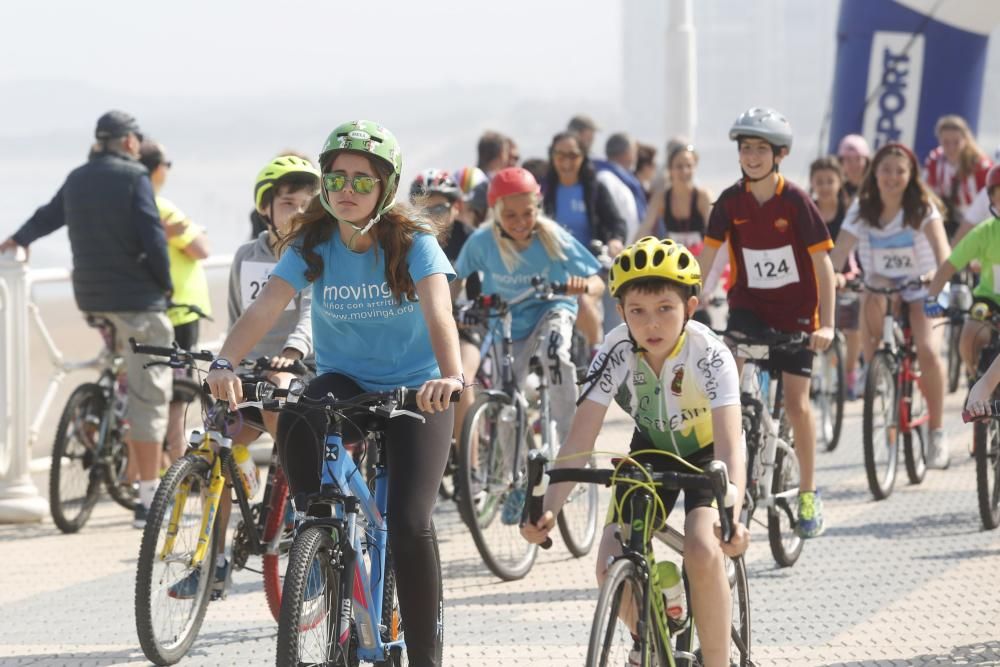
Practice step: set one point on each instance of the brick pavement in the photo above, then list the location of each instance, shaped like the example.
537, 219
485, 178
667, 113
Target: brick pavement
906, 581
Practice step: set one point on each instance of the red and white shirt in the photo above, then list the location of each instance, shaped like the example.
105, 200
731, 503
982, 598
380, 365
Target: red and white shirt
939, 174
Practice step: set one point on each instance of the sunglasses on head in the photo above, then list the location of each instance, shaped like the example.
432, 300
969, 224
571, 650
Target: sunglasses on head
337, 181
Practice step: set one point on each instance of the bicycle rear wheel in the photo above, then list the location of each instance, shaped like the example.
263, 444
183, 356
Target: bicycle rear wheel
610, 638
277, 538
492, 490
786, 545
880, 425
171, 595
986, 448
828, 394
74, 475
739, 646
915, 441
307, 628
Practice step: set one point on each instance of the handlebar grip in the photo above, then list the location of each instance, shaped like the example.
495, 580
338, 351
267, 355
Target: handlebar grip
537, 485
993, 411
140, 348
264, 364
720, 481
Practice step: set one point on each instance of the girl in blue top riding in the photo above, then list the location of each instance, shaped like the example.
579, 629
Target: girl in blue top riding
381, 313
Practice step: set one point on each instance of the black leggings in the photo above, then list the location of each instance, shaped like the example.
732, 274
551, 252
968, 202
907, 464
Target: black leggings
416, 455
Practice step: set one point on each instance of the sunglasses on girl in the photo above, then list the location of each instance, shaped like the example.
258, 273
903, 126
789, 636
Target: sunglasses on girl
337, 181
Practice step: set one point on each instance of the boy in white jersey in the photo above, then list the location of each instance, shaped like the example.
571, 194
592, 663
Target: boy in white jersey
679, 383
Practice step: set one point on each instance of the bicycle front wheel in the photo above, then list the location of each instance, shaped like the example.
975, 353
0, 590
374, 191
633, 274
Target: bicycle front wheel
880, 425
172, 593
493, 486
578, 519
786, 545
953, 356
308, 624
914, 440
277, 538
74, 475
828, 394
610, 638
986, 448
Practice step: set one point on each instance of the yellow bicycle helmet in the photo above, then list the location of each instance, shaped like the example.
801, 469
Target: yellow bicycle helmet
279, 167
650, 257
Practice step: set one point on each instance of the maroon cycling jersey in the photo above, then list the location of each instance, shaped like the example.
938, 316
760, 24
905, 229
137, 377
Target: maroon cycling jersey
769, 251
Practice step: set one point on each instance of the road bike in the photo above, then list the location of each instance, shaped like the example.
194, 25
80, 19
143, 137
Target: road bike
498, 433
632, 585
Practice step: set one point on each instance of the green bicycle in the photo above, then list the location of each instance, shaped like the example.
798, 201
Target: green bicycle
632, 577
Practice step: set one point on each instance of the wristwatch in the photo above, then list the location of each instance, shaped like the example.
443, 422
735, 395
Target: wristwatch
221, 364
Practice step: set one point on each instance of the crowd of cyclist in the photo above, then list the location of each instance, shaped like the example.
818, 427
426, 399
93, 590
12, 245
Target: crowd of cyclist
348, 263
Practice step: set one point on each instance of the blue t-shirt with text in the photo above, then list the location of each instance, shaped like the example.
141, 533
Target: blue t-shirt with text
358, 328
480, 253
571, 212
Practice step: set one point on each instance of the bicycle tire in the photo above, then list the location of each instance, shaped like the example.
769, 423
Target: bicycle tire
915, 441
835, 396
986, 450
578, 519
482, 504
610, 639
320, 614
271, 560
161, 647
786, 544
954, 358
74, 459
740, 645
881, 400
116, 480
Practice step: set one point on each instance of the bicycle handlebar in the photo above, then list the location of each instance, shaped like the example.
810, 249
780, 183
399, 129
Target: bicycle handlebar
715, 478
176, 351
857, 285
770, 338
992, 412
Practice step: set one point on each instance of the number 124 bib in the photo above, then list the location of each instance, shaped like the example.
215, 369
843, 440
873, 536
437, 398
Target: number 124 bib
770, 269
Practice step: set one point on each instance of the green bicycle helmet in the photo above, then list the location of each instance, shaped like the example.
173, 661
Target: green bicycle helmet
373, 140
276, 169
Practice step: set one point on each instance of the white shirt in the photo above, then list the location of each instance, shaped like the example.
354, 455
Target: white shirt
979, 209
895, 251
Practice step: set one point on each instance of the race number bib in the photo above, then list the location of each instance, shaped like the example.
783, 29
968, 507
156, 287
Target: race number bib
771, 269
253, 277
895, 262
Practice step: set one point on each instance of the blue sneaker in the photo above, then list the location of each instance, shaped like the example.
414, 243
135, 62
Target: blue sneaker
810, 522
513, 506
187, 588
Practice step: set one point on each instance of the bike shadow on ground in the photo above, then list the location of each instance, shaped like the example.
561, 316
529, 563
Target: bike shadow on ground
981, 653
951, 524
95, 658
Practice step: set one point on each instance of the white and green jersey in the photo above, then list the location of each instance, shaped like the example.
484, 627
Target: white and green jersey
674, 410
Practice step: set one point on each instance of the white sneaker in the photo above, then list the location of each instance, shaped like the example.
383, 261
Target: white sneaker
938, 455
634, 657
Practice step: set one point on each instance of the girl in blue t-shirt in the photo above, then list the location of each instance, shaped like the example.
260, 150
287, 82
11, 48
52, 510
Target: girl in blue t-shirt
518, 245
381, 314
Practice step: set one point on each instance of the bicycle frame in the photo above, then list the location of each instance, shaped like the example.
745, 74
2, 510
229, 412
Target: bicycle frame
761, 460
344, 488
897, 340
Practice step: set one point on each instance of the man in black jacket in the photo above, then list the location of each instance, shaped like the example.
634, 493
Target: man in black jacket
121, 272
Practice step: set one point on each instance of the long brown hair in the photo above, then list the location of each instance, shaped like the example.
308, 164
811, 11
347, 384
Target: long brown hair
393, 234
917, 198
971, 154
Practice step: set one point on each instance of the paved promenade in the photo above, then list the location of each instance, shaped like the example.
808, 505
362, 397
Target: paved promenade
907, 581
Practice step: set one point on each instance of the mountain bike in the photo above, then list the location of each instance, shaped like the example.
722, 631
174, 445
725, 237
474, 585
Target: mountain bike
632, 586
895, 409
496, 438
176, 569
772, 465
986, 438
339, 604
89, 450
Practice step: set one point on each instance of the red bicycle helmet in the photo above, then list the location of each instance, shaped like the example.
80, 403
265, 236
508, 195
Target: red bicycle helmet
511, 181
992, 178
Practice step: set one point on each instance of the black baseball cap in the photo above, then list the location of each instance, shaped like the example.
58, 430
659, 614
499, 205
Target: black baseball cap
116, 124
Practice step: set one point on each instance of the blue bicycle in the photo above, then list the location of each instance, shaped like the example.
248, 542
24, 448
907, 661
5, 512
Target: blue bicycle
339, 604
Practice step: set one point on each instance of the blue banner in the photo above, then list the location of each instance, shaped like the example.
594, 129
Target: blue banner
899, 69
